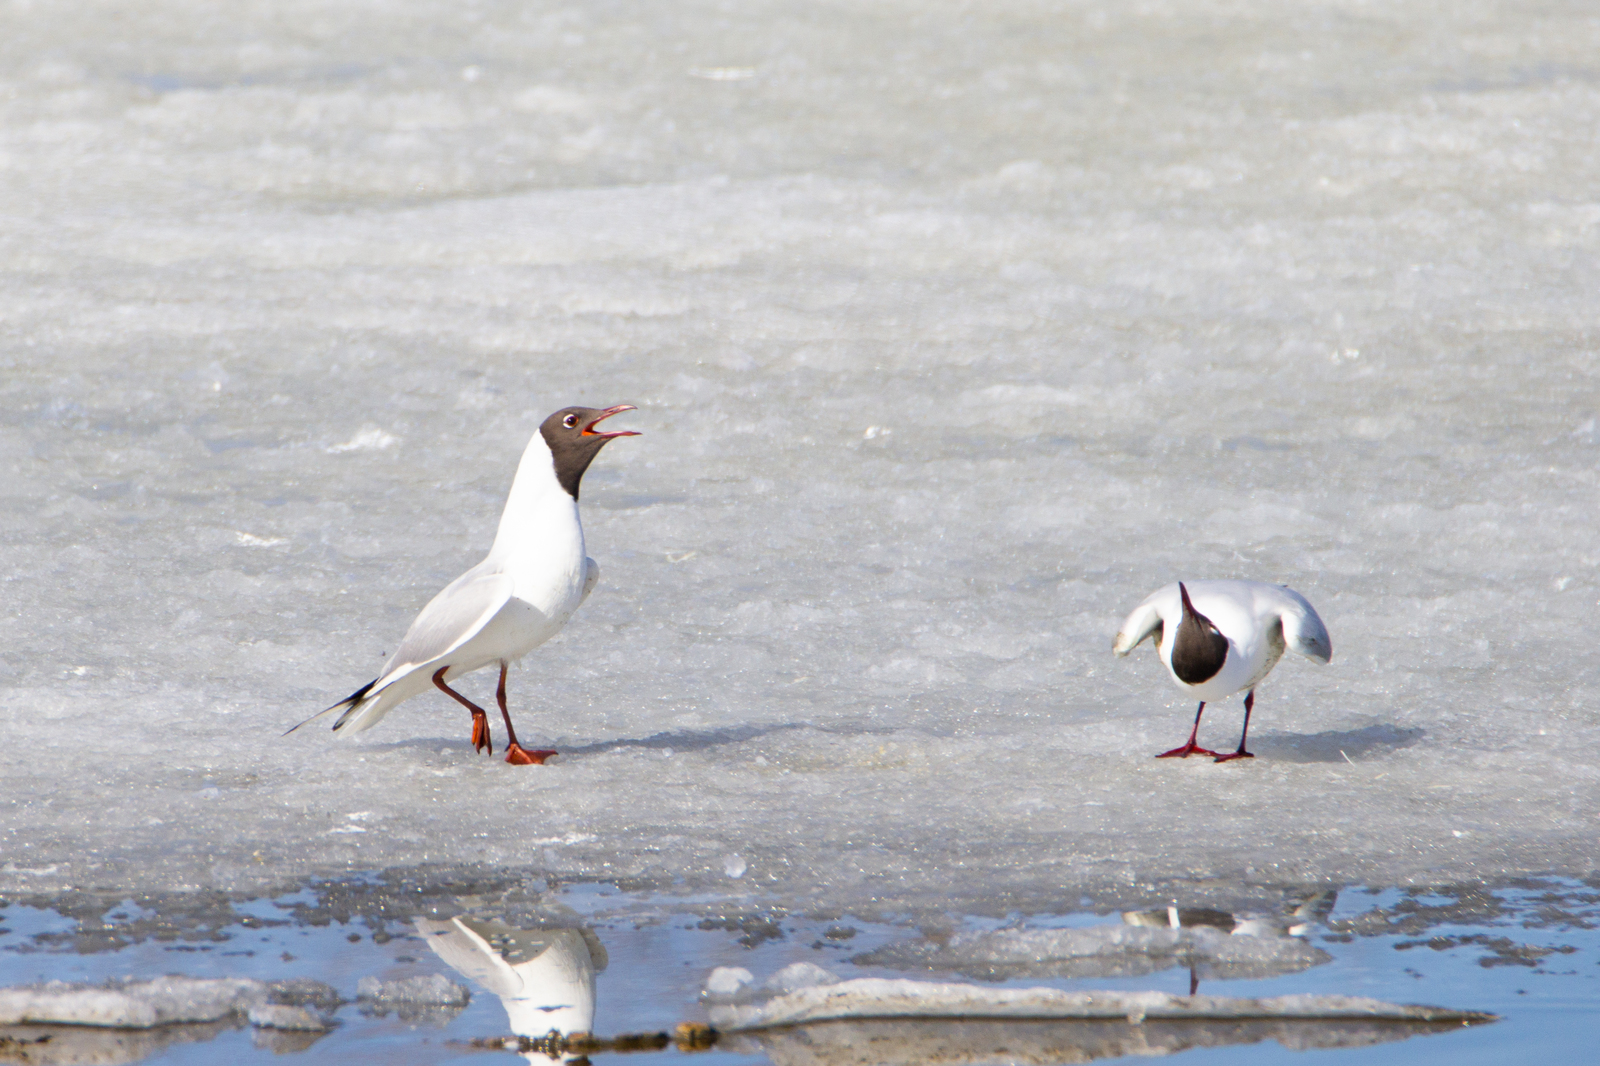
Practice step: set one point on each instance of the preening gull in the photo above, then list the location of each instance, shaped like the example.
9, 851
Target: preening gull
1217, 638
520, 596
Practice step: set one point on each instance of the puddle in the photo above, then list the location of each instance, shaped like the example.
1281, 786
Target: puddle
405, 969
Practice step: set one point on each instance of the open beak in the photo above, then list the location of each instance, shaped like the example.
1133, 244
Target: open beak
589, 430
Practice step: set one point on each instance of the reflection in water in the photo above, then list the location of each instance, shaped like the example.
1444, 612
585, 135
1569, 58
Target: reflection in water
542, 965
1212, 944
124, 1021
956, 1042
1274, 952
82, 1045
543, 976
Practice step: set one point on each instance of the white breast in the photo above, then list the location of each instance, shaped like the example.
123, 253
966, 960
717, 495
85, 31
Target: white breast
539, 546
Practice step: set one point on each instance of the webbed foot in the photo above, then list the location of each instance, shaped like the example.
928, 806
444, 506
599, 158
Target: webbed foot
480, 734
1187, 750
517, 755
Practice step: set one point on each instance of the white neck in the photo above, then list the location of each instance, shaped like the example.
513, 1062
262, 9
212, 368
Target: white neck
538, 511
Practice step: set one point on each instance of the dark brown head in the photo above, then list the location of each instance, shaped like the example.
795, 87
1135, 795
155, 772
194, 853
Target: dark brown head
574, 442
1199, 649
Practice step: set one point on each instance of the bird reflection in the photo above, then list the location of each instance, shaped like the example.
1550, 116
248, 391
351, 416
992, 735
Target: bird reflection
1291, 955
1174, 918
543, 976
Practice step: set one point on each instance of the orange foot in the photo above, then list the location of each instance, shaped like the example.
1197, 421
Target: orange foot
480, 734
1184, 752
517, 755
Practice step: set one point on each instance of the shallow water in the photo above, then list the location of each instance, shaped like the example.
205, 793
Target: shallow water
1528, 953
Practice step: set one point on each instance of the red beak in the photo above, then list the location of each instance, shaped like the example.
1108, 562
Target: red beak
588, 431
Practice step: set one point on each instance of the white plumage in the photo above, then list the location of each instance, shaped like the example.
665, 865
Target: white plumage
535, 576
1227, 638
544, 977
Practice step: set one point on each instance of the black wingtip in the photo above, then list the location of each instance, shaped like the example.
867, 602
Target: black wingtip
349, 701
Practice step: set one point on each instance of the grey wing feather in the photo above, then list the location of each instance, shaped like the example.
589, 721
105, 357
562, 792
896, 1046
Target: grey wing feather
591, 577
1143, 622
453, 617
449, 620
1303, 629
470, 955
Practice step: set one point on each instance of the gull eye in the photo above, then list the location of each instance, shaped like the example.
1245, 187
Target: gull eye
570, 421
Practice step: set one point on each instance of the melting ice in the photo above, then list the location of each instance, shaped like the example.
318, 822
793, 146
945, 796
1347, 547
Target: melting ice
954, 331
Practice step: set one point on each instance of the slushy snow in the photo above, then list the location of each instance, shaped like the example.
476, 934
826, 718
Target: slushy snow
954, 331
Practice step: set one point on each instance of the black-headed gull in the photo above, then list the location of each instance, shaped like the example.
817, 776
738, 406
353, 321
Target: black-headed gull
1217, 638
520, 596
544, 977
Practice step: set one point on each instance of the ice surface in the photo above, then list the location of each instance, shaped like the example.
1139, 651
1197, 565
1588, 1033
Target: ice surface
728, 981
133, 1004
875, 997
288, 1018
433, 990
1101, 951
980, 1042
735, 984
954, 330
795, 976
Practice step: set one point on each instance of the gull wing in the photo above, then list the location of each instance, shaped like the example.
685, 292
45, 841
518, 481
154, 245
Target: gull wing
591, 578
469, 953
449, 620
453, 617
1143, 622
1303, 630
544, 977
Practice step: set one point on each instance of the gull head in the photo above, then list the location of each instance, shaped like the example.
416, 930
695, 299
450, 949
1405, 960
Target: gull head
573, 440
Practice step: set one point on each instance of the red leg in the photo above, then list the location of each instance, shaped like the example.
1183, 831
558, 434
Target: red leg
516, 754
1190, 748
1249, 702
480, 717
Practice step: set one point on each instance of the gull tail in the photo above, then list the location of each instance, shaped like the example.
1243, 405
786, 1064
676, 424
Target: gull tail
348, 705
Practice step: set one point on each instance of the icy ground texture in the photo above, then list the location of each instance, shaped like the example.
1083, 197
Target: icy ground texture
1112, 950
166, 1001
955, 329
874, 997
